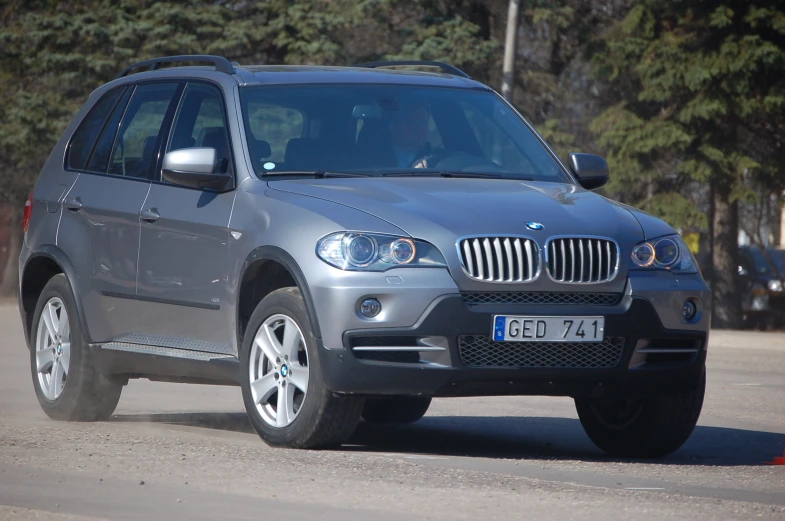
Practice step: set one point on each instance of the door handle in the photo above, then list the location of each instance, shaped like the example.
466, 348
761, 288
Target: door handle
74, 204
150, 215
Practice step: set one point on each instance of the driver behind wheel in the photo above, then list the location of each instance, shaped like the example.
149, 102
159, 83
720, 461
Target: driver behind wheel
409, 132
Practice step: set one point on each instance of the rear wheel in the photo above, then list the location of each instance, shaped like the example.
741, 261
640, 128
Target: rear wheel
649, 427
397, 409
282, 383
67, 382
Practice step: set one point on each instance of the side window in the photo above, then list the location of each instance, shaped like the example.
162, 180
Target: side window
103, 148
86, 134
134, 152
201, 122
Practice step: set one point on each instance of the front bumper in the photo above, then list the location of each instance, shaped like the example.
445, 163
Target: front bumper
653, 359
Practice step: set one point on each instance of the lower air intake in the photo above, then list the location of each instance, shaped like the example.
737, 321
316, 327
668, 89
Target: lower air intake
480, 351
542, 298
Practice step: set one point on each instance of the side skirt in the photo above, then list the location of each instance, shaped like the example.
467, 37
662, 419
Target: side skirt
166, 364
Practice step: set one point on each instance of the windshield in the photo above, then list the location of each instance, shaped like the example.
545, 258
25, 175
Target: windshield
391, 130
762, 263
778, 258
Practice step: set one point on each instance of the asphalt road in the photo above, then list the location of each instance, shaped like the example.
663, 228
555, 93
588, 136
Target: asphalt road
187, 452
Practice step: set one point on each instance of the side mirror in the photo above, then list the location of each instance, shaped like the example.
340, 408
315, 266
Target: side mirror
590, 170
193, 167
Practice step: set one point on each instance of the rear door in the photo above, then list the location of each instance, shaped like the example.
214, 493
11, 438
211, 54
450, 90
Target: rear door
183, 257
99, 230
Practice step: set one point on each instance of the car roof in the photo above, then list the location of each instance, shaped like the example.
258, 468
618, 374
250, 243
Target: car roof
305, 74
369, 73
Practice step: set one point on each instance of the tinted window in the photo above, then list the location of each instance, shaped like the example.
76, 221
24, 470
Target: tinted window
378, 129
134, 153
85, 136
201, 122
759, 261
778, 259
103, 148
274, 124
494, 142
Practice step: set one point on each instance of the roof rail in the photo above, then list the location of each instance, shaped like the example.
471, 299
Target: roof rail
445, 67
221, 64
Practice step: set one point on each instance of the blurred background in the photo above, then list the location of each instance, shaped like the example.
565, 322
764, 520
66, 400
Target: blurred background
686, 98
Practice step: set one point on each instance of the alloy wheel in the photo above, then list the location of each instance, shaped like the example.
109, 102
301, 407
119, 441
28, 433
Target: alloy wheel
279, 372
53, 348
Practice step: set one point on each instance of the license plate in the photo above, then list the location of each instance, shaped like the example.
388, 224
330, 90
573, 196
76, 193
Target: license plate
508, 328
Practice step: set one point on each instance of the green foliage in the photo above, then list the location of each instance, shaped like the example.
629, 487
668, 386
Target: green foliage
679, 211
560, 16
453, 40
699, 96
562, 142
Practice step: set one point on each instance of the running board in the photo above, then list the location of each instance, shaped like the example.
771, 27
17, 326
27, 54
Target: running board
164, 351
167, 363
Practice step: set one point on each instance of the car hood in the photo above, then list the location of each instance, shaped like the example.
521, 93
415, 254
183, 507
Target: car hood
448, 208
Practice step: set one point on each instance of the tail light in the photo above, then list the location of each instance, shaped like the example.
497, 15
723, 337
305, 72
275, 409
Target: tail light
28, 213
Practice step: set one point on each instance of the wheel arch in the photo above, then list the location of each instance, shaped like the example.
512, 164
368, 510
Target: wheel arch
46, 262
266, 269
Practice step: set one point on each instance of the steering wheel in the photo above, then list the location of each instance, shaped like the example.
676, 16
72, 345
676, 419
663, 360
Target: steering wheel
431, 160
456, 161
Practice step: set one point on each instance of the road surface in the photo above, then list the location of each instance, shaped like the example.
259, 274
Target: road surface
188, 452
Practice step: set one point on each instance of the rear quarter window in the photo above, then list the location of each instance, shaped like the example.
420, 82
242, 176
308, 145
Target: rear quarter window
83, 140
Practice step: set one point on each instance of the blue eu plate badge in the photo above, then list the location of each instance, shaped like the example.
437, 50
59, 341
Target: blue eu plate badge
498, 328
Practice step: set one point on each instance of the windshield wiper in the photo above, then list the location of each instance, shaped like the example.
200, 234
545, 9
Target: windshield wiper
470, 174
447, 174
319, 174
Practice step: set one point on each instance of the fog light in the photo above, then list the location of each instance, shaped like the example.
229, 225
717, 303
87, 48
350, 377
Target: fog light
370, 307
689, 310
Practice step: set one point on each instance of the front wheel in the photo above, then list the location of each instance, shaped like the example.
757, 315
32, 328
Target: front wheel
648, 427
283, 389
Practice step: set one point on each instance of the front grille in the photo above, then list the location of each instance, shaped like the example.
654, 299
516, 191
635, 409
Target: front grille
500, 259
542, 298
582, 260
480, 351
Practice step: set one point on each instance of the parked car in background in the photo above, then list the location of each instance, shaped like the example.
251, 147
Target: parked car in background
763, 298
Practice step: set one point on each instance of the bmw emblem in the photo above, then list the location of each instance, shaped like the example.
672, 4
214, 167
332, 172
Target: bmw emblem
534, 226
284, 370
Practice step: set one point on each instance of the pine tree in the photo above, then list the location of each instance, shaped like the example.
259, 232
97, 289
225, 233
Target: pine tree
699, 97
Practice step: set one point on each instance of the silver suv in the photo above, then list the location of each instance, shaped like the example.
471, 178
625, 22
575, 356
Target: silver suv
346, 243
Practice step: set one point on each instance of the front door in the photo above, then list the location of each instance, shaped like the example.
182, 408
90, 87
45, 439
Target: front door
183, 257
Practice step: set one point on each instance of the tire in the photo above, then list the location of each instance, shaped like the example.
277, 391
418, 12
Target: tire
68, 385
317, 418
396, 410
650, 427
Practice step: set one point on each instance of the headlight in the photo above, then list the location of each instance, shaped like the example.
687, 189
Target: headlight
775, 285
669, 253
376, 252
